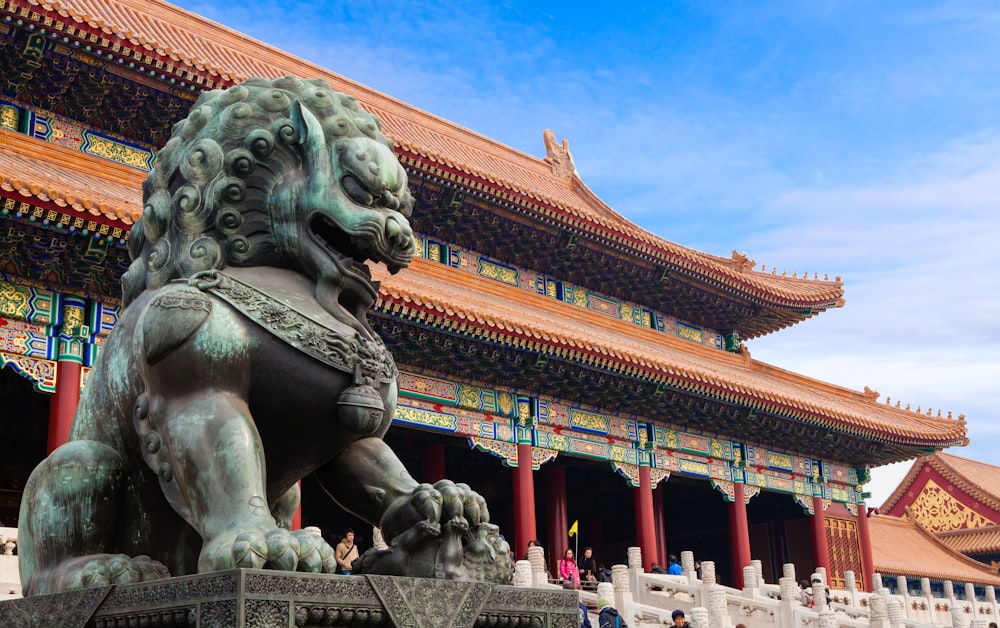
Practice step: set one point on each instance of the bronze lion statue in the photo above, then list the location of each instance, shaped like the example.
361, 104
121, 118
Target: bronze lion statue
243, 361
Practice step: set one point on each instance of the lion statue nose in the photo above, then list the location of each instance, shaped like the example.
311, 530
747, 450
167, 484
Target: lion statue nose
398, 235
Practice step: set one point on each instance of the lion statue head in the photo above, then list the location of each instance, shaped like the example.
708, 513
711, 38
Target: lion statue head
286, 173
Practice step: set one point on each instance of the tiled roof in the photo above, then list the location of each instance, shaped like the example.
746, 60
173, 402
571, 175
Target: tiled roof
901, 547
466, 301
38, 170
983, 477
985, 540
193, 43
979, 479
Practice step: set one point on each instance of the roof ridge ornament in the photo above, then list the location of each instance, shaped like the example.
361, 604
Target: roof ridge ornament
741, 261
558, 155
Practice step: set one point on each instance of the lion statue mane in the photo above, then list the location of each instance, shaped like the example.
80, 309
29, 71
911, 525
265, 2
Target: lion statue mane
243, 361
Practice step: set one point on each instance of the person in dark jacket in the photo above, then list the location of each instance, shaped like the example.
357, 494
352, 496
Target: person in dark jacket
679, 620
608, 616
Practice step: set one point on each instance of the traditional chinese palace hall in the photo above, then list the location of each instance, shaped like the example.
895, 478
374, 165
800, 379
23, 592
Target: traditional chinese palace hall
563, 361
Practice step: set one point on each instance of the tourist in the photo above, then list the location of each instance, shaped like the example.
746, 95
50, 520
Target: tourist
608, 615
588, 567
817, 581
346, 552
568, 571
679, 620
993, 624
655, 568
603, 573
584, 616
805, 593
532, 543
697, 569
673, 567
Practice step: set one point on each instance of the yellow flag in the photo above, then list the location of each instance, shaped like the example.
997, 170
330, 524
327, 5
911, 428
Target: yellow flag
573, 528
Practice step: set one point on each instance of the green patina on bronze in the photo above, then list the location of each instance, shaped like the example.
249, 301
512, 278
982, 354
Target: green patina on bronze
244, 361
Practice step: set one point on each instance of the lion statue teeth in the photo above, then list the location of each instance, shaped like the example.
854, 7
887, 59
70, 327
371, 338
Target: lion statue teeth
243, 361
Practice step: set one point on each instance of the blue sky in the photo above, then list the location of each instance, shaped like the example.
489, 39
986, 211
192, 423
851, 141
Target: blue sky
857, 139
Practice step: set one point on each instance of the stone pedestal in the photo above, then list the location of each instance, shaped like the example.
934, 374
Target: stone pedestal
242, 598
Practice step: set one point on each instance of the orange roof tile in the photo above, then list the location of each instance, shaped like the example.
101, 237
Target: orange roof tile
519, 316
37, 169
901, 547
197, 44
464, 300
985, 540
979, 479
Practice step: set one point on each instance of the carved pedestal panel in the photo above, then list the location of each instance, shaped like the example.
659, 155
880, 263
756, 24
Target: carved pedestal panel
255, 598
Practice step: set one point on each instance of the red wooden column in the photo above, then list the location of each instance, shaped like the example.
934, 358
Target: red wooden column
865, 538
524, 500
62, 405
739, 531
661, 532
556, 515
821, 553
71, 341
644, 520
432, 464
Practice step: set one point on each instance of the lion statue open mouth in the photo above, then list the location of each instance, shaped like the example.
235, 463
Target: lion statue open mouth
244, 361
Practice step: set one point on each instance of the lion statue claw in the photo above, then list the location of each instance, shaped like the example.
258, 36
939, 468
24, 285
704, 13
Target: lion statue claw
243, 361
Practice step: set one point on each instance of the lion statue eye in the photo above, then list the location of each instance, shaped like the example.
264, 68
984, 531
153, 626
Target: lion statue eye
357, 192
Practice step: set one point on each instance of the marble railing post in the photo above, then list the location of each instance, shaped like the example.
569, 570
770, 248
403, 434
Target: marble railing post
522, 573
852, 587
687, 566
707, 582
822, 575
904, 589
949, 592
536, 556
700, 618
970, 596
620, 580
957, 616
877, 603
634, 556
791, 597
877, 582
758, 568
751, 587
788, 571
895, 610
991, 599
718, 611
605, 590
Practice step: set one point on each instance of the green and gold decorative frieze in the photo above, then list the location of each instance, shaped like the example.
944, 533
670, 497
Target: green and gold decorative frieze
554, 288
100, 145
500, 272
28, 304
10, 116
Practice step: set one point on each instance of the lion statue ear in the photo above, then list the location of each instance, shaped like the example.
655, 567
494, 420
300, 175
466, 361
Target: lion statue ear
311, 138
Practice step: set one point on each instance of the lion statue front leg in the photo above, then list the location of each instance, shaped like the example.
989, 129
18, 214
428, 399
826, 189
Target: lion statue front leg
433, 531
200, 438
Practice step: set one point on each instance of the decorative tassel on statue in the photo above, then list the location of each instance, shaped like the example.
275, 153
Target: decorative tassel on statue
360, 408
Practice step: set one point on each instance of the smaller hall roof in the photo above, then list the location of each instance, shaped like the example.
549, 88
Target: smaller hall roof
984, 540
980, 480
902, 547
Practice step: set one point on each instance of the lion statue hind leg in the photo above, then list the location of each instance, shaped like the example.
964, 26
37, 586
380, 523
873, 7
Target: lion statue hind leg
68, 523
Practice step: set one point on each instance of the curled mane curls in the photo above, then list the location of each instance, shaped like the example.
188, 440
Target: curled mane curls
206, 201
